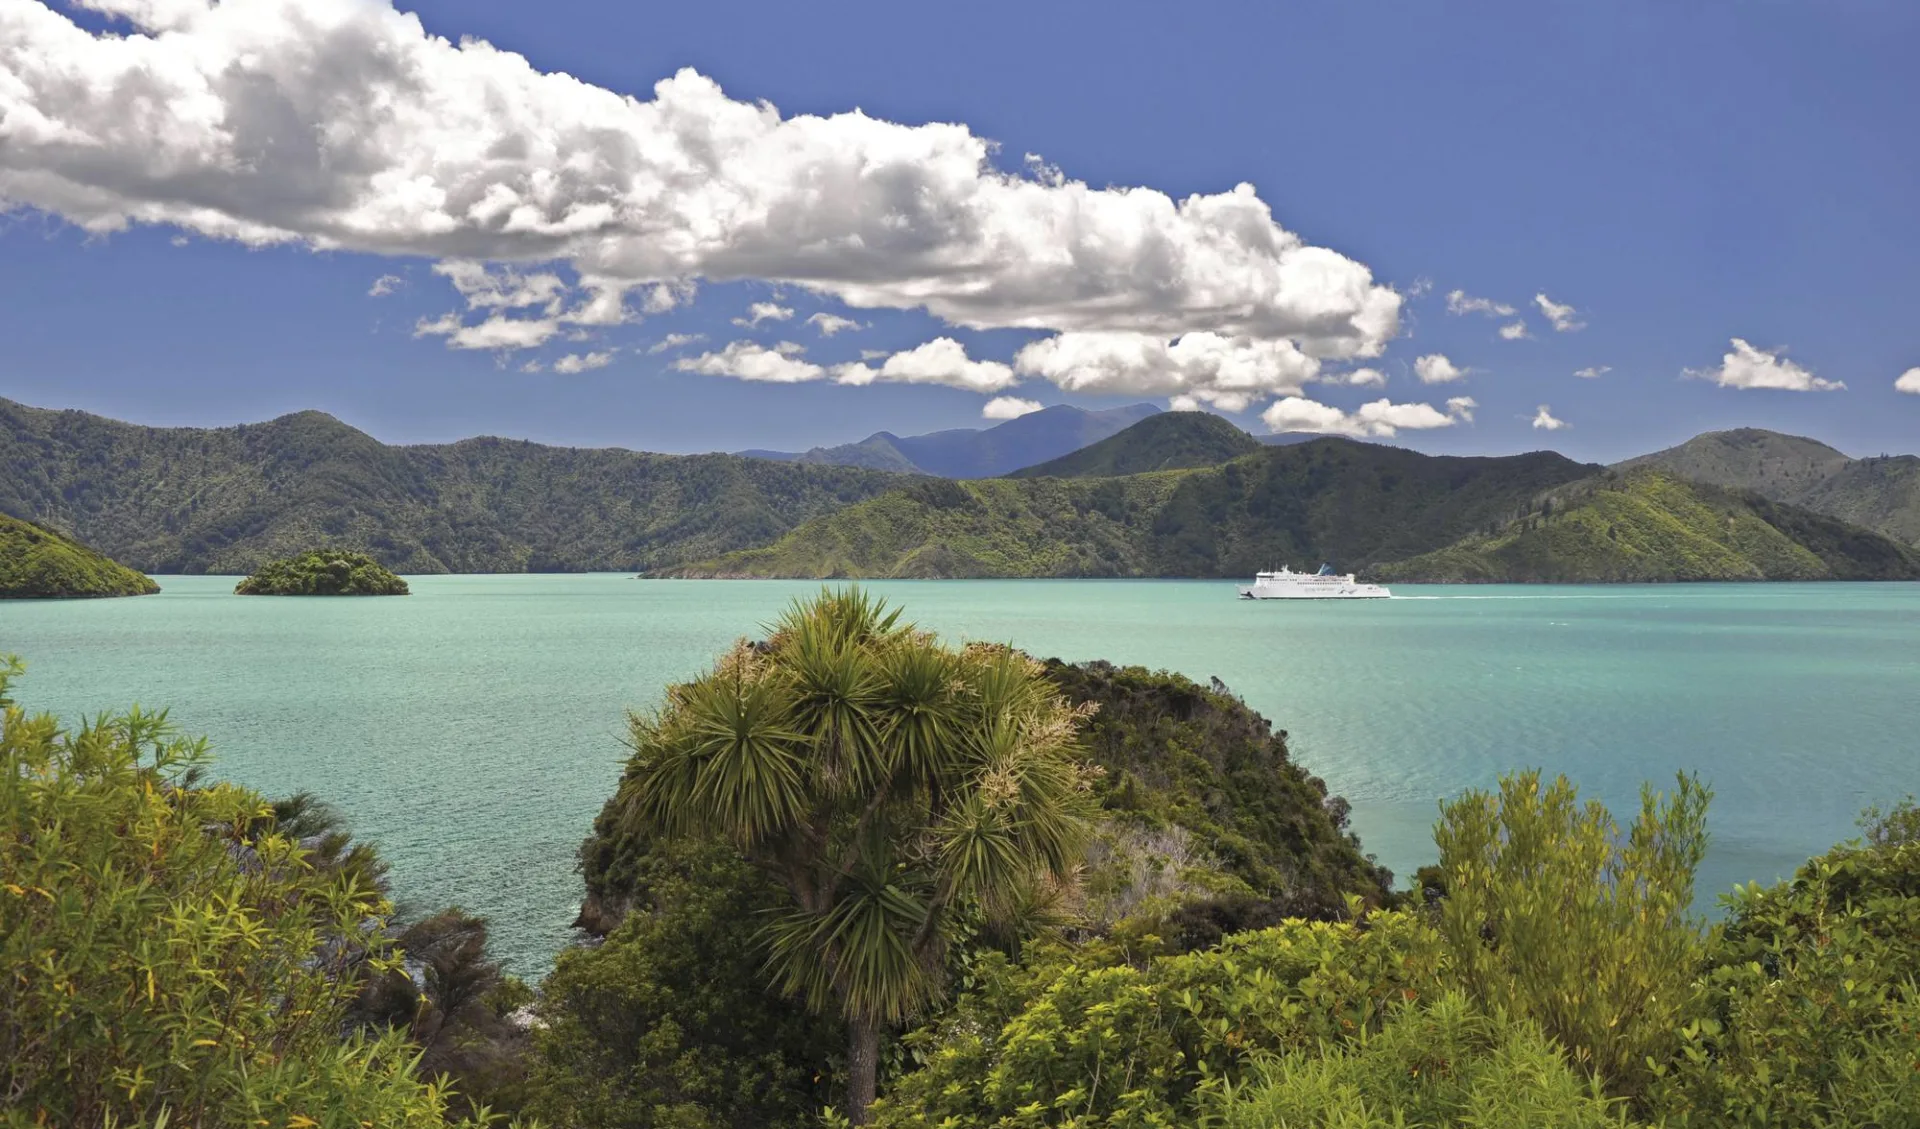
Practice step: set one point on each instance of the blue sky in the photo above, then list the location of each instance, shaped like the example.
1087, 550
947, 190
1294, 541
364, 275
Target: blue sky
1681, 176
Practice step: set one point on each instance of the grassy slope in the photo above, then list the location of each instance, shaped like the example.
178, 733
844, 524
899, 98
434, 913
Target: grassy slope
230, 499
1170, 441
1647, 525
1353, 504
39, 563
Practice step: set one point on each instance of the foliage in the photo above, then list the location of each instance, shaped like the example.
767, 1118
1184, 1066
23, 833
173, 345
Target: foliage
226, 500
1881, 494
1168, 441
669, 1023
323, 572
1555, 914
893, 786
1355, 504
163, 959
1429, 1067
1808, 1013
37, 563
1083, 1038
1196, 771
1647, 525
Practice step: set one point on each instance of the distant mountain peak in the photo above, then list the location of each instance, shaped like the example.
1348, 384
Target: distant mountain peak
978, 452
1164, 441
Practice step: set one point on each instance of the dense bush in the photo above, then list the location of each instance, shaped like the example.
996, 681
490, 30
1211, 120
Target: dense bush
1430, 1067
163, 958
323, 572
37, 563
670, 1024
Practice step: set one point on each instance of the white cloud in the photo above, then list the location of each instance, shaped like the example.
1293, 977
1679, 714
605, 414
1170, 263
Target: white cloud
385, 285
1435, 368
1009, 407
1227, 372
749, 360
1380, 419
830, 324
1420, 288
533, 366
1460, 302
940, 361
581, 362
1562, 317
1544, 420
675, 341
1748, 367
1185, 404
345, 125
1908, 381
1593, 372
1358, 378
872, 354
1514, 331
764, 311
496, 332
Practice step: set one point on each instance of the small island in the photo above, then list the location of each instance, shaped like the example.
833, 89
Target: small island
323, 572
37, 563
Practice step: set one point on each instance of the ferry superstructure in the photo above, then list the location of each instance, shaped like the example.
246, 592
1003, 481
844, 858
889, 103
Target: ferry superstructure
1287, 584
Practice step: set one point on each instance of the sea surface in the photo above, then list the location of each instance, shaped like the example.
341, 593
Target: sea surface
474, 728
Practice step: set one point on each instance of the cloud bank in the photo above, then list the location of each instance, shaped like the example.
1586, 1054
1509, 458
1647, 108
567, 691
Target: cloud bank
344, 125
1380, 419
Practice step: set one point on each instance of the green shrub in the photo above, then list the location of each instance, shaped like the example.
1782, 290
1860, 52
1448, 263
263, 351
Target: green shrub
1808, 1013
161, 957
1554, 914
1079, 1041
1429, 1067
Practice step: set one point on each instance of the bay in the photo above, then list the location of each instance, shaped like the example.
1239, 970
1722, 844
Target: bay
473, 729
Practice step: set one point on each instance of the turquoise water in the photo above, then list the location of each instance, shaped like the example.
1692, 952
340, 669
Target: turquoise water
473, 729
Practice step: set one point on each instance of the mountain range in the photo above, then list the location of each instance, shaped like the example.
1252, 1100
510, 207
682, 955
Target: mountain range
977, 452
1171, 494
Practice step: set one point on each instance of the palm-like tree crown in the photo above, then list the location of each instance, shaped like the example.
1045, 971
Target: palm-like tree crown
889, 781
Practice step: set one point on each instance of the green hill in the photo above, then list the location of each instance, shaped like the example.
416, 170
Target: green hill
37, 563
1169, 441
1882, 494
1648, 525
323, 572
978, 452
226, 500
1352, 504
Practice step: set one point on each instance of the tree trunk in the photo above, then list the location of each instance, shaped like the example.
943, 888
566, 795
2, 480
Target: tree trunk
863, 1065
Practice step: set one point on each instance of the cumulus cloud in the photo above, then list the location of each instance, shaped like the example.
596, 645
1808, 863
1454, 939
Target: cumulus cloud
1227, 372
1562, 317
504, 296
940, 361
345, 125
1380, 419
749, 360
581, 362
1435, 368
764, 311
1358, 378
1460, 302
675, 341
1543, 420
385, 285
1908, 381
1514, 331
830, 324
1593, 372
1009, 407
1748, 367
498, 332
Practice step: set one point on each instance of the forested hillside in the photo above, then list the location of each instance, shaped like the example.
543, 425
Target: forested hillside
1352, 504
37, 563
226, 500
1649, 525
1169, 441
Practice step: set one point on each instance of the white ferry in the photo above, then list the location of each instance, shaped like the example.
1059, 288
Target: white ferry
1287, 584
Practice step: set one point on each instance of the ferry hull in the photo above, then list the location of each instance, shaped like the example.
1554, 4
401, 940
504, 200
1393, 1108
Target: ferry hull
1366, 592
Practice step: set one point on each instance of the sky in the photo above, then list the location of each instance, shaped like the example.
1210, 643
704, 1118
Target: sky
1599, 228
